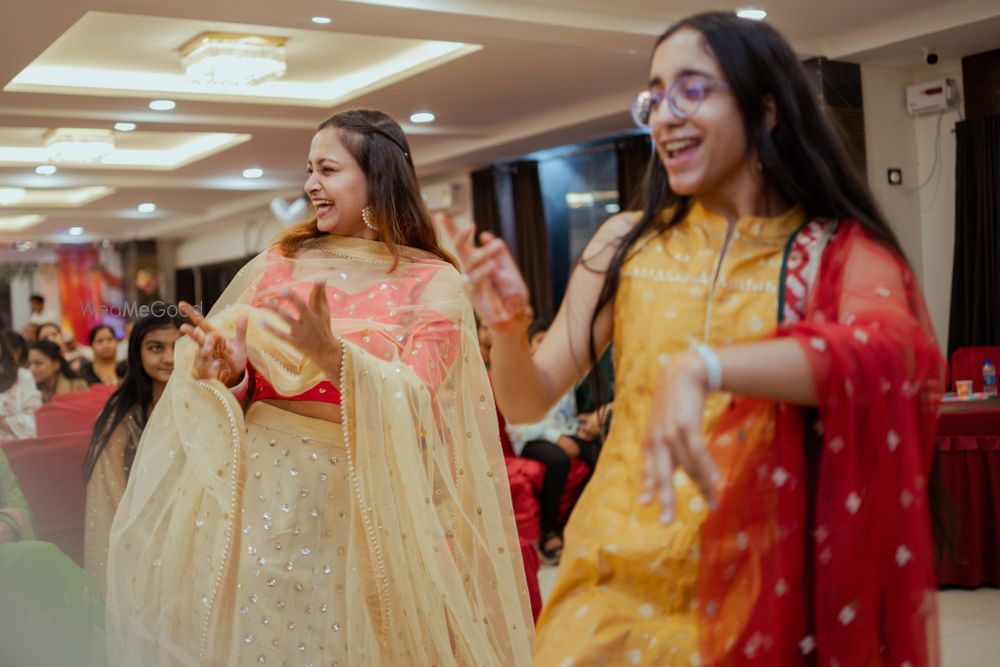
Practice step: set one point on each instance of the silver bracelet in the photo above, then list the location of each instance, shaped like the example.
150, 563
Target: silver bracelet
713, 368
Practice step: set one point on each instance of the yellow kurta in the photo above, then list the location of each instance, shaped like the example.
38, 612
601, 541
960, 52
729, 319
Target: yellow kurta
626, 589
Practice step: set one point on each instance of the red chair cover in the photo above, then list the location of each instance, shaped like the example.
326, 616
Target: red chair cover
73, 412
50, 472
967, 364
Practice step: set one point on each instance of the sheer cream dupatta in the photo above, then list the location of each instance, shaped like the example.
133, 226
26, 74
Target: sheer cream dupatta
434, 574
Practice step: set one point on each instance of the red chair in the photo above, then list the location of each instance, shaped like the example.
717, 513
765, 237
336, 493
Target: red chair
50, 472
73, 412
967, 364
525, 478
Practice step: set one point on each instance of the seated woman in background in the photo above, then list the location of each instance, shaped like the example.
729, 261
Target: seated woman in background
554, 442
50, 611
118, 429
104, 369
51, 332
51, 372
18, 347
19, 397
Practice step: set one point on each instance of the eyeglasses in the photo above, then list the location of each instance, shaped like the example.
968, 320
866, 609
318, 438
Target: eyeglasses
684, 97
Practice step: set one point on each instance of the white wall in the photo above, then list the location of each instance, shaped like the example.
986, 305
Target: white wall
44, 281
937, 198
224, 240
251, 232
922, 217
890, 142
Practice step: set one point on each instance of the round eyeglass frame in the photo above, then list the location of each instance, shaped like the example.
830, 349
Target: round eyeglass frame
647, 101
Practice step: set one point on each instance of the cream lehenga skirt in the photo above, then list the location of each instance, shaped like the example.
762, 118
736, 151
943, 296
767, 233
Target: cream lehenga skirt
289, 592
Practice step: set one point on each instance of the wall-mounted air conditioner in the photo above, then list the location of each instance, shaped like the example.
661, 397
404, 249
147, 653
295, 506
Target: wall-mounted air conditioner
931, 97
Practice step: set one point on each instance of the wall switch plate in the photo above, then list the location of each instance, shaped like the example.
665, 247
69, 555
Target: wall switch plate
895, 176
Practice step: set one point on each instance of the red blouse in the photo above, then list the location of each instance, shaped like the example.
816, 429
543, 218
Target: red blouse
324, 392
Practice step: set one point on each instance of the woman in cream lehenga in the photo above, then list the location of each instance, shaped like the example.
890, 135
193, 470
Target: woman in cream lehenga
358, 512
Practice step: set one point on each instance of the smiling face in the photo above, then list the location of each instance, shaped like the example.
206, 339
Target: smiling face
158, 353
337, 186
704, 154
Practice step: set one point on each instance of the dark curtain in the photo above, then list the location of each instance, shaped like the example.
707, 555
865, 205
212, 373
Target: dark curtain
975, 281
532, 236
485, 210
633, 153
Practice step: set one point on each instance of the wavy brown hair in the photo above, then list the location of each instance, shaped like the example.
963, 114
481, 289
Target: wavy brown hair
400, 216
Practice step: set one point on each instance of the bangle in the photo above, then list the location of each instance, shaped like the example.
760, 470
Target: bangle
713, 368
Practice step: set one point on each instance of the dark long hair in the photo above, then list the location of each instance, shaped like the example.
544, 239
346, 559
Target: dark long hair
136, 389
803, 159
96, 330
52, 351
8, 364
400, 215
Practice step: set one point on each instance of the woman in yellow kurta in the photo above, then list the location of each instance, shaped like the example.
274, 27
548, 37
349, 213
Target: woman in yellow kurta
748, 189
626, 582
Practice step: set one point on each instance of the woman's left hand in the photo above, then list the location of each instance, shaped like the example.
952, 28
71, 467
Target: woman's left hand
308, 327
673, 435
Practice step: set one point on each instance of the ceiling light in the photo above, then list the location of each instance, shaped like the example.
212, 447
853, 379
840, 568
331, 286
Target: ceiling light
124, 127
162, 105
75, 145
253, 173
227, 59
322, 20
751, 13
76, 231
422, 117
10, 196
148, 207
46, 169
17, 223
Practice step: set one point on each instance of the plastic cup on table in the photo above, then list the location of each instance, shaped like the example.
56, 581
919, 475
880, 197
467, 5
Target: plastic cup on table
964, 388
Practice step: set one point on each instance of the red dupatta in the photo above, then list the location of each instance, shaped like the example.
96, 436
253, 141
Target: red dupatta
820, 551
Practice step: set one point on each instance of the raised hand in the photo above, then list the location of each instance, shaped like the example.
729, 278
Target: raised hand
673, 435
217, 358
499, 293
308, 328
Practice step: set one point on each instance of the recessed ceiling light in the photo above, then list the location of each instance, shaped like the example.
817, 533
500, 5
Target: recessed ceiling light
751, 13
422, 117
76, 231
253, 172
46, 169
126, 127
162, 105
322, 20
146, 208
10, 196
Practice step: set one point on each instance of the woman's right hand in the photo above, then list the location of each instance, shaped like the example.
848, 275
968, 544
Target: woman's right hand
499, 293
217, 358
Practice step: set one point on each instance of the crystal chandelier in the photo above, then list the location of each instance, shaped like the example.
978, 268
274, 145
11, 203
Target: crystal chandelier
72, 145
233, 60
10, 196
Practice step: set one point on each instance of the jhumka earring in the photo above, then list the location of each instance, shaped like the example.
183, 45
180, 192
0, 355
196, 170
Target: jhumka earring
366, 215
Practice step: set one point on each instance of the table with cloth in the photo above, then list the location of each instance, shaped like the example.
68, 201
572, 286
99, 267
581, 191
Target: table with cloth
968, 453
